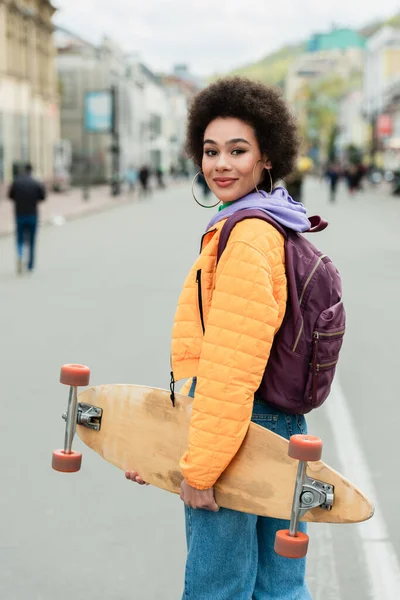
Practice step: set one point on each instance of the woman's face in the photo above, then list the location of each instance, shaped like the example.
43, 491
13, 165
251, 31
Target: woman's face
229, 155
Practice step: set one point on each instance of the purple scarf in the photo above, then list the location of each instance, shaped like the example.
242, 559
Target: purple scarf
278, 205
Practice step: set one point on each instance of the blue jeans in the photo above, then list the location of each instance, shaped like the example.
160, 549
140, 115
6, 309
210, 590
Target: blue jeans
231, 554
26, 234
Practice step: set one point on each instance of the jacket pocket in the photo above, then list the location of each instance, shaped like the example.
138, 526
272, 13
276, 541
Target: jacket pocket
200, 299
327, 342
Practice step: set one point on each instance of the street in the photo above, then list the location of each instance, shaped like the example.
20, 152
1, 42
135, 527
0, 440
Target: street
104, 294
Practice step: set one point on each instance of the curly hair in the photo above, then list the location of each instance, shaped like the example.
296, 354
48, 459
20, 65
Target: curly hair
260, 106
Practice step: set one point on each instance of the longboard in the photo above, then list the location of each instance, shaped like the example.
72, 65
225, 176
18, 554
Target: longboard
141, 430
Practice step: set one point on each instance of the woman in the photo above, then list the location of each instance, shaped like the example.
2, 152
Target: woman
244, 138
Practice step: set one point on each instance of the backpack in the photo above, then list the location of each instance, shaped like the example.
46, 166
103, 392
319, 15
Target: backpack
305, 351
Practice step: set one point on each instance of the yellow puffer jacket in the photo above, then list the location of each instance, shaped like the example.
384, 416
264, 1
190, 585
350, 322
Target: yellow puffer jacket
224, 327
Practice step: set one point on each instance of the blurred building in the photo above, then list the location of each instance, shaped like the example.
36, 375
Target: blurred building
353, 129
182, 73
151, 109
180, 88
390, 139
29, 112
339, 52
139, 126
156, 142
382, 68
337, 39
83, 67
382, 94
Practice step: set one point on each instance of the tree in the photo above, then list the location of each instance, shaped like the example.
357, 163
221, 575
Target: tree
317, 104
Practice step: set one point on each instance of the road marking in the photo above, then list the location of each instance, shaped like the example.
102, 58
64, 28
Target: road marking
383, 570
321, 566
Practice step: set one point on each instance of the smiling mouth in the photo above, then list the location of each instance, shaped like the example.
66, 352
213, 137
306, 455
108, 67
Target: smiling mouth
224, 181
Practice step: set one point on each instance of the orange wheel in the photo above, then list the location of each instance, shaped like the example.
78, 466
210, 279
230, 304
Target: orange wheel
75, 375
291, 547
305, 447
66, 463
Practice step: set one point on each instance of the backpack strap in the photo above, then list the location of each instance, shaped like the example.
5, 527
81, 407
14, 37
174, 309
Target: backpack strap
316, 222
241, 215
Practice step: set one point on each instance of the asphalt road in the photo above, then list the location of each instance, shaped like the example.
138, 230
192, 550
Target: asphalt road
104, 294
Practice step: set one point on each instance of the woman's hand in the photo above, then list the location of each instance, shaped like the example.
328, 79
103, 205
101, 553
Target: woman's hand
134, 476
198, 498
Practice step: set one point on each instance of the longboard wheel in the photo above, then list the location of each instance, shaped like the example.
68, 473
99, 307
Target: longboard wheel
75, 375
307, 448
289, 546
66, 462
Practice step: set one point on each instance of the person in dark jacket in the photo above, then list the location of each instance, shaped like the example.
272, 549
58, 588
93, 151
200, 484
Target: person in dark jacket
144, 176
333, 174
26, 192
294, 185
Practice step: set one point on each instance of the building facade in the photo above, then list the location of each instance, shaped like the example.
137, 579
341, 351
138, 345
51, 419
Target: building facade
382, 68
337, 39
29, 105
180, 88
353, 128
382, 96
83, 67
150, 116
313, 66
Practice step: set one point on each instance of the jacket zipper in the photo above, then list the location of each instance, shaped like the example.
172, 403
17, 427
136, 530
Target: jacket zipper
316, 367
204, 236
316, 372
200, 299
198, 281
326, 365
172, 384
298, 336
341, 332
320, 259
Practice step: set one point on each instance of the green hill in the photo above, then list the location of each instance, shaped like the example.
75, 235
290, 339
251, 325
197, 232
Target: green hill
273, 68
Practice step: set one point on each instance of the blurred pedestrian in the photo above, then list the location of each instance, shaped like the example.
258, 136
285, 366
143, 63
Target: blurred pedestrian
333, 173
354, 175
396, 183
26, 192
144, 179
225, 325
160, 178
294, 185
294, 181
201, 180
361, 173
131, 177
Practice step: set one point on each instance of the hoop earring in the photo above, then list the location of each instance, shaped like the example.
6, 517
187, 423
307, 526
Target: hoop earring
270, 178
193, 194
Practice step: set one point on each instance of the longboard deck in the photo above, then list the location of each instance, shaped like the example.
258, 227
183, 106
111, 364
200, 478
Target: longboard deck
141, 430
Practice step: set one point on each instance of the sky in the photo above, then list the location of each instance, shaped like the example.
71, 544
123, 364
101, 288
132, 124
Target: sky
211, 36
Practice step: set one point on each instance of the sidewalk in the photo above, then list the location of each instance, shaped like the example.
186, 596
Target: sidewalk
65, 206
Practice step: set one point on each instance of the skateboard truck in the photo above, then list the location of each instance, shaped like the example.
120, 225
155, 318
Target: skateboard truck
66, 460
87, 416
308, 493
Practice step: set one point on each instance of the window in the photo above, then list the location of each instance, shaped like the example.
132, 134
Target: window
24, 137
154, 126
69, 89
